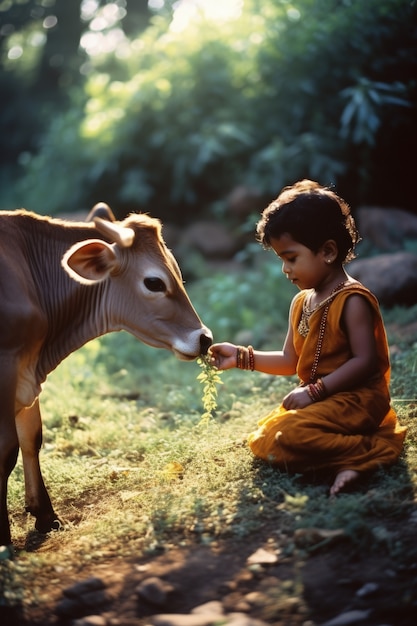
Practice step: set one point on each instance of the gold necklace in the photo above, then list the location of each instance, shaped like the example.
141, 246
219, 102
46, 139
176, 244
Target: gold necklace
303, 325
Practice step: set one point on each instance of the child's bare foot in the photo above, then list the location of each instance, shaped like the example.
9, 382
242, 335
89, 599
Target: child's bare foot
343, 478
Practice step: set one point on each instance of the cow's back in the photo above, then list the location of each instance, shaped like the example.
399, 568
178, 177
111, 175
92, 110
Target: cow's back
18, 298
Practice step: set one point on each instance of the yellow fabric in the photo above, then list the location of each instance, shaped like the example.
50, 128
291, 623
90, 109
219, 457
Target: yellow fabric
355, 429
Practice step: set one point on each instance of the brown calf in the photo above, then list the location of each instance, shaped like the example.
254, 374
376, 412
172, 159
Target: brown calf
61, 285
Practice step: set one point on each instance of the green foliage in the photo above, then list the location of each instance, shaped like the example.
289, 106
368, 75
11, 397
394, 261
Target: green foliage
361, 117
178, 117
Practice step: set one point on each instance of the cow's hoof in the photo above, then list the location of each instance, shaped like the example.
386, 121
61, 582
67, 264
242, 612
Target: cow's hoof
57, 525
47, 527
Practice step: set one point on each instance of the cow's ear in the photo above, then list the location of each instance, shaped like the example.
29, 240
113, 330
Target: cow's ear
90, 261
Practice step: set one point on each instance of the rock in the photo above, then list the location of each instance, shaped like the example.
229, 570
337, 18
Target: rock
386, 229
244, 201
85, 586
211, 239
205, 619
262, 557
68, 608
367, 589
349, 618
154, 590
91, 620
74, 607
87, 594
308, 537
214, 607
193, 619
392, 278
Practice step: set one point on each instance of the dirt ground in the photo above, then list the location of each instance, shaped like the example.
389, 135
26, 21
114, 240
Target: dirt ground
303, 588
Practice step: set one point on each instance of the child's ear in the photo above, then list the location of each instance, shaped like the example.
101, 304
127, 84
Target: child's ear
330, 251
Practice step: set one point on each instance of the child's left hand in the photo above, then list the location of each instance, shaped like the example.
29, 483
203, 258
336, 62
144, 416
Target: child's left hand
298, 398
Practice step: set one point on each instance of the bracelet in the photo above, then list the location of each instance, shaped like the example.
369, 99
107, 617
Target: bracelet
251, 358
241, 357
245, 358
316, 391
321, 388
310, 393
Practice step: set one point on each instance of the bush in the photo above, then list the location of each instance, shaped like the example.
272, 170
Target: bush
317, 89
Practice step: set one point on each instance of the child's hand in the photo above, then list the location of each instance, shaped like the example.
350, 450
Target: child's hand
223, 355
297, 399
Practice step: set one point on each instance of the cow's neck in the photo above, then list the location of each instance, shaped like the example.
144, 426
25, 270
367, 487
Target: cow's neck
74, 313
72, 322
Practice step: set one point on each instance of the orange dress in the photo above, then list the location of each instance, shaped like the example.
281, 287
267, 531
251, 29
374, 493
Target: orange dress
356, 429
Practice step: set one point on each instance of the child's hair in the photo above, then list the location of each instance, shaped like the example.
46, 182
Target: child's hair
311, 214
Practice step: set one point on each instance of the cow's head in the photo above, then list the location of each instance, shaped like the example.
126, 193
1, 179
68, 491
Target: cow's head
144, 291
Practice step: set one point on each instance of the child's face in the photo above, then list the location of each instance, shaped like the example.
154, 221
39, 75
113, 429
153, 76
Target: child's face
302, 266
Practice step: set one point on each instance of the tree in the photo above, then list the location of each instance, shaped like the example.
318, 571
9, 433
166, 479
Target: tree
169, 120
41, 68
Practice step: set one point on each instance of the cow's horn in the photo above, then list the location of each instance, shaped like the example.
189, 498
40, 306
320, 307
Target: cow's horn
116, 233
101, 209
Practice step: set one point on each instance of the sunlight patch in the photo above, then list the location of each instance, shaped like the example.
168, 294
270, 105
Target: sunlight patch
215, 10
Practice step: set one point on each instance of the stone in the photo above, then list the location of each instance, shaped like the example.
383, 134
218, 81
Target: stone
210, 238
91, 620
214, 607
193, 619
154, 590
262, 557
349, 618
87, 594
386, 228
392, 278
367, 589
84, 586
244, 201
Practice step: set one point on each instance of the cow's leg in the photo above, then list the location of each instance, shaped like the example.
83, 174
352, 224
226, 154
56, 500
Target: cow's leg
9, 449
38, 502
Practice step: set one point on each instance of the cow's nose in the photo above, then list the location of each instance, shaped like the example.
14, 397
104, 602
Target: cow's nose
205, 342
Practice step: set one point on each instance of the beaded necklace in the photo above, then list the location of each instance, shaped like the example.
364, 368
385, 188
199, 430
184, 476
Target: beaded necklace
303, 325
305, 316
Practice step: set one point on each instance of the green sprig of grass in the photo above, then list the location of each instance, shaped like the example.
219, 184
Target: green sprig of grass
209, 377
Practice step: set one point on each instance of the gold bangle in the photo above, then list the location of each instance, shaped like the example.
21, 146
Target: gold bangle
251, 358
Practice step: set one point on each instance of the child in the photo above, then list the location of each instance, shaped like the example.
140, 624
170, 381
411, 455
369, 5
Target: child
339, 418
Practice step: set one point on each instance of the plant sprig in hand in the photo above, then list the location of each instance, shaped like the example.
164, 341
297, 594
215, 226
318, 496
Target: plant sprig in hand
209, 378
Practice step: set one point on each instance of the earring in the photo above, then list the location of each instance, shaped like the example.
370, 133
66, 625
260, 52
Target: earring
328, 260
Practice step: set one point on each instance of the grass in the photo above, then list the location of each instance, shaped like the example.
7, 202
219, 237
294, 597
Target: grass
132, 468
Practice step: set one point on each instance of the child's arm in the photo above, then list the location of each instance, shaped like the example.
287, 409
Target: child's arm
282, 362
359, 326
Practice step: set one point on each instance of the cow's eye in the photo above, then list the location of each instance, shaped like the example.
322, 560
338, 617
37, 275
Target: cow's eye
155, 284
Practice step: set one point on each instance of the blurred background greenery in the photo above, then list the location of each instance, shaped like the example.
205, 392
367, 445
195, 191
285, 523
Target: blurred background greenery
166, 106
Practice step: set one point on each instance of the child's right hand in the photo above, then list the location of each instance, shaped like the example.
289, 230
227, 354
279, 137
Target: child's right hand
223, 355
